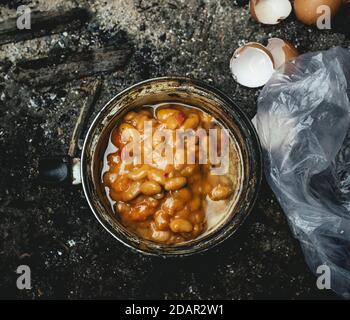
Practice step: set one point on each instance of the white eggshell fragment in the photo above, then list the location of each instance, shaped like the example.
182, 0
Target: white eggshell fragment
252, 65
282, 51
270, 11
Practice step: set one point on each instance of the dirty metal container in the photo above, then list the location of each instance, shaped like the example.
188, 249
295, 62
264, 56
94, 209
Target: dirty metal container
187, 91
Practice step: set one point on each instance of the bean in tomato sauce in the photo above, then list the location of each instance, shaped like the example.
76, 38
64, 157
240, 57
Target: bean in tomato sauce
168, 201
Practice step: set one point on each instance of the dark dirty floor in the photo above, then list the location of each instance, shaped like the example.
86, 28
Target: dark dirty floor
52, 230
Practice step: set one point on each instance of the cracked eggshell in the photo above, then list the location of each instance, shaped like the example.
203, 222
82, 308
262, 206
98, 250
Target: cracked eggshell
270, 11
252, 65
282, 51
306, 10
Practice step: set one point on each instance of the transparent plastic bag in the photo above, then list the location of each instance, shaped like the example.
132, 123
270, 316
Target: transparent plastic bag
303, 122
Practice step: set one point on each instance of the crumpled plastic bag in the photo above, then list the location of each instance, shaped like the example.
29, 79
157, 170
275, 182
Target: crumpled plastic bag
303, 122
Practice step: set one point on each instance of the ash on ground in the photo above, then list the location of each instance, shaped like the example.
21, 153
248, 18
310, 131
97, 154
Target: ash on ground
52, 230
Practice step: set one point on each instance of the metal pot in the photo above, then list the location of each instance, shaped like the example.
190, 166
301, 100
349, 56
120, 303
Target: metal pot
174, 89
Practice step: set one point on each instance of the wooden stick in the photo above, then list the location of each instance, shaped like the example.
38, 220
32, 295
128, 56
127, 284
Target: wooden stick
51, 70
43, 23
85, 111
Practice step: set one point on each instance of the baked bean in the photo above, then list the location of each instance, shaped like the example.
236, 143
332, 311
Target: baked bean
183, 194
122, 207
123, 135
183, 213
115, 169
159, 195
141, 212
160, 236
150, 188
125, 127
109, 178
225, 180
213, 179
180, 225
164, 114
139, 199
175, 183
195, 203
120, 184
146, 112
174, 121
197, 217
169, 169
132, 192
220, 193
171, 118
188, 170
198, 187
140, 122
152, 202
129, 116
191, 122
138, 173
171, 205
206, 120
197, 230
160, 201
157, 175
113, 159
161, 219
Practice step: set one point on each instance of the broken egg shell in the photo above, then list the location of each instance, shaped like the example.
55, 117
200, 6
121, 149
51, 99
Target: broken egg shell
306, 10
270, 11
282, 51
252, 65
255, 45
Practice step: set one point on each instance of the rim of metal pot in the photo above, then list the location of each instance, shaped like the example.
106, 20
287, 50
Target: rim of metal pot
217, 236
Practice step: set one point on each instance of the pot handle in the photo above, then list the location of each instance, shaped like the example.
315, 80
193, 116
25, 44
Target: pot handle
66, 169
76, 172
59, 171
